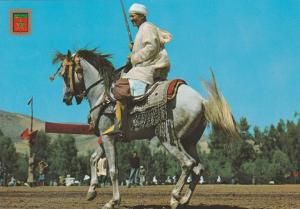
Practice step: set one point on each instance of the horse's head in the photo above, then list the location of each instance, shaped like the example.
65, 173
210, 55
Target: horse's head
72, 73
82, 71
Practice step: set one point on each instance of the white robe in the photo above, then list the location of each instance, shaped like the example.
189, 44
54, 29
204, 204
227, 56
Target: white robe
149, 57
102, 167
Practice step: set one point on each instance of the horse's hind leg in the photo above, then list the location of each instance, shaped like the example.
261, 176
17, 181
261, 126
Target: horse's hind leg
186, 165
187, 196
91, 194
191, 147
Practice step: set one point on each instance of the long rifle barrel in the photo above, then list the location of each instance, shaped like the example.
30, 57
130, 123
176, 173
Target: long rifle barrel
31, 119
126, 23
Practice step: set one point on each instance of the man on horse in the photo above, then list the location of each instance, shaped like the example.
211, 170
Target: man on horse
149, 57
149, 60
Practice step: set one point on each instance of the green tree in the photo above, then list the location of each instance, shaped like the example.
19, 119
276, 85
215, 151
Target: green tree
63, 158
146, 159
244, 129
8, 158
248, 170
268, 142
231, 153
280, 166
160, 165
173, 166
124, 152
219, 168
241, 151
41, 146
293, 135
258, 171
22, 164
83, 166
281, 141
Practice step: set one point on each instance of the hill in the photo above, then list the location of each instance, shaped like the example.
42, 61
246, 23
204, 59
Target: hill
12, 125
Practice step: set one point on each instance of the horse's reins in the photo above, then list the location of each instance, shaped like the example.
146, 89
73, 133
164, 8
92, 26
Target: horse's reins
71, 78
103, 102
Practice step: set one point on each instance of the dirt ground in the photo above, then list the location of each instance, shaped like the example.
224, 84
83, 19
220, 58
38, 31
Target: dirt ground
154, 197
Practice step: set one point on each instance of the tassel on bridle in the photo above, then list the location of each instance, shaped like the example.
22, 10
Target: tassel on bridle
51, 78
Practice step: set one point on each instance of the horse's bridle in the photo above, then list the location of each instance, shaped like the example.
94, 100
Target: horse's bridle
68, 67
73, 67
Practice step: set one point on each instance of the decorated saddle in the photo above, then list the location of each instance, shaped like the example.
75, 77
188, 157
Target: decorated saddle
150, 109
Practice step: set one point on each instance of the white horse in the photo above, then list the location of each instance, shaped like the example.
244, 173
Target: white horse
90, 74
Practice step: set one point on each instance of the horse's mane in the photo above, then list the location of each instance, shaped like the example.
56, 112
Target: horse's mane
98, 60
101, 63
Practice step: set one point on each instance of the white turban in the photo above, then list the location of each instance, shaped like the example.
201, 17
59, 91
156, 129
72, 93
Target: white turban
138, 9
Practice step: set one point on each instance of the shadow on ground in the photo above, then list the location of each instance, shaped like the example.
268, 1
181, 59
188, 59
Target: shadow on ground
186, 207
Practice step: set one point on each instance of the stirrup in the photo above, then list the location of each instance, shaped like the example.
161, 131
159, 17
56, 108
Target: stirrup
114, 130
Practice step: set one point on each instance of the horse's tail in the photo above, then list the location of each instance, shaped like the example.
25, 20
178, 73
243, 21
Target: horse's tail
217, 110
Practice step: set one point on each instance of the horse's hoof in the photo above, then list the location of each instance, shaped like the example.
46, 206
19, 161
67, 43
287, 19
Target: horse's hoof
184, 201
108, 206
112, 204
91, 195
175, 196
174, 204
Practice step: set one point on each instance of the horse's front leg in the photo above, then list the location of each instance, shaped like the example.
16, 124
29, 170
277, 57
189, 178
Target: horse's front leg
110, 151
91, 194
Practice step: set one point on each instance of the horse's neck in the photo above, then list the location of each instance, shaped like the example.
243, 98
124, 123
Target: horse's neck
91, 76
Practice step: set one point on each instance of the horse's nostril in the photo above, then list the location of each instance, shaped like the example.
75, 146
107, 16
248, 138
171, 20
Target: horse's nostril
67, 101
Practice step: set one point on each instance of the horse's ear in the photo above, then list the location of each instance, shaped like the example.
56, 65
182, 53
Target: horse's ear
58, 57
69, 55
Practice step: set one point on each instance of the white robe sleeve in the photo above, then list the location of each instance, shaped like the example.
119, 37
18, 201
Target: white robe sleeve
150, 45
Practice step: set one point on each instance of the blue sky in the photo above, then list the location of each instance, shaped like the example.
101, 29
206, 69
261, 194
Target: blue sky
253, 47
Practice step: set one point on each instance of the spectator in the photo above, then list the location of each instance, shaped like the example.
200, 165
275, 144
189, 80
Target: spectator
61, 180
201, 180
142, 175
189, 179
134, 169
219, 180
154, 180
168, 180
174, 179
42, 167
70, 181
13, 182
102, 166
86, 180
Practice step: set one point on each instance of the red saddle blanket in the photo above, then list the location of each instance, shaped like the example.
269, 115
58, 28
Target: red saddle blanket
173, 87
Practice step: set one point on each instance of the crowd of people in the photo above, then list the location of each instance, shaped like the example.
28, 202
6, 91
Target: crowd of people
136, 176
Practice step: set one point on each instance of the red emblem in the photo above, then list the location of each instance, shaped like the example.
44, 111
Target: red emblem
20, 21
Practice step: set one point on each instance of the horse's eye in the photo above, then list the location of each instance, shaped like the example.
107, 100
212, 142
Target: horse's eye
78, 69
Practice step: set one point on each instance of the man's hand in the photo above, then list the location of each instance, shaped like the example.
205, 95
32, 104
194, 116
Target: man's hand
129, 57
130, 46
128, 65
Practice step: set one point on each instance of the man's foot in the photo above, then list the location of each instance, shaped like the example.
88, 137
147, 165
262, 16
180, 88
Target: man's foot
115, 131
